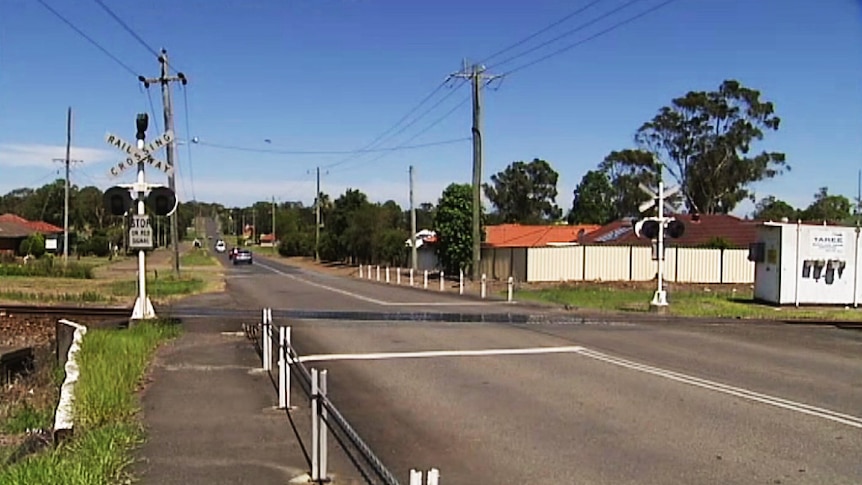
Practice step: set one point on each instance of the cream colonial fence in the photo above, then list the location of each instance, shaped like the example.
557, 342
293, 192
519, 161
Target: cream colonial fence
617, 263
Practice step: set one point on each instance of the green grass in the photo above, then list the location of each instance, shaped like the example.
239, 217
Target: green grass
112, 363
48, 267
719, 302
198, 257
27, 416
161, 287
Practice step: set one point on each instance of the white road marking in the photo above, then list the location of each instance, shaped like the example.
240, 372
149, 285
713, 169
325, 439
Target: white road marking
439, 353
803, 408
847, 419
367, 298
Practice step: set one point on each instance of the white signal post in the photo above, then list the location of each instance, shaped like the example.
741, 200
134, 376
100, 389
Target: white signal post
141, 154
659, 299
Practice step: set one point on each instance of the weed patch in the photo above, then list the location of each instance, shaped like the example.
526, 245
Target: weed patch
162, 287
198, 257
48, 268
112, 363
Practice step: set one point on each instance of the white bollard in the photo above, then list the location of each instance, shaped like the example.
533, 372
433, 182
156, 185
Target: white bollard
461, 282
425, 280
369, 272
315, 425
415, 477
387, 275
378, 272
442, 278
398, 276
360, 271
266, 341
484, 285
283, 371
433, 477
324, 430
411, 276
511, 287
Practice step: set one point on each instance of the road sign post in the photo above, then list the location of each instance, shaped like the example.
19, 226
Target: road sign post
117, 201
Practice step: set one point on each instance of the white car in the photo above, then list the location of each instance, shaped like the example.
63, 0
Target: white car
220, 247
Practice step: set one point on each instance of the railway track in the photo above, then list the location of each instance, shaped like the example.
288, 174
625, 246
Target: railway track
65, 310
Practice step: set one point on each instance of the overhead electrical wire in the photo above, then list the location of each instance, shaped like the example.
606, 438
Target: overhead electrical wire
540, 32
189, 141
592, 37
89, 39
422, 132
565, 34
325, 152
131, 31
408, 125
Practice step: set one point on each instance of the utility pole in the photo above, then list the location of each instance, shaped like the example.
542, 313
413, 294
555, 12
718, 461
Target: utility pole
317, 219
273, 222
165, 79
413, 254
476, 74
68, 161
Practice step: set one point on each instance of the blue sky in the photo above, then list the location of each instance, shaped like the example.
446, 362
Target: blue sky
332, 75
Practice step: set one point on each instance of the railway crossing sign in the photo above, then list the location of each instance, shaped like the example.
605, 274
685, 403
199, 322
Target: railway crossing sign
134, 156
654, 199
140, 232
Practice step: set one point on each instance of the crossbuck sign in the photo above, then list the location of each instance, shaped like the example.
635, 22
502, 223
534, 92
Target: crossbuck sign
135, 156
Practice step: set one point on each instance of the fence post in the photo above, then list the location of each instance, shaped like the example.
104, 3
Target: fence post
415, 477
398, 276
266, 344
511, 285
484, 285
387, 274
433, 477
283, 371
425, 280
323, 428
461, 282
315, 426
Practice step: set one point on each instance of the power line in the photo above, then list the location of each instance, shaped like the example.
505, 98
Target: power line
592, 37
424, 130
408, 125
324, 152
153, 110
567, 33
539, 32
90, 39
127, 28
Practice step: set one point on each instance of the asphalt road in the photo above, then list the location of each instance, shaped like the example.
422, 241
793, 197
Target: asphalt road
605, 403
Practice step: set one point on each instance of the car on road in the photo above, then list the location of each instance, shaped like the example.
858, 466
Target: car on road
232, 252
220, 246
242, 256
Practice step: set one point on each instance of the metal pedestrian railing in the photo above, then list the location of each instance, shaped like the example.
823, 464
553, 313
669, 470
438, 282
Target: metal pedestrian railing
326, 419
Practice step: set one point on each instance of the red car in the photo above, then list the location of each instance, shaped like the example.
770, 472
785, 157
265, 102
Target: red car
232, 252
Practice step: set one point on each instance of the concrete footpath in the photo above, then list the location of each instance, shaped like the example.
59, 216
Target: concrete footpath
210, 414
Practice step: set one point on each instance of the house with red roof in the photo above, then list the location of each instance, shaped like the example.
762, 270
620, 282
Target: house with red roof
701, 230
533, 236
14, 229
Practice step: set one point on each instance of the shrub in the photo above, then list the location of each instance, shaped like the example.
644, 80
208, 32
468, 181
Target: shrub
33, 245
98, 245
47, 267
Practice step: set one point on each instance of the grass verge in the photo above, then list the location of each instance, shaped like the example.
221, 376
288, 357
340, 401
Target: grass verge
112, 363
197, 257
162, 287
715, 302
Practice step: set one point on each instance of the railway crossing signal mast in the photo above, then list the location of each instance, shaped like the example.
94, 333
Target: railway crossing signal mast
160, 200
654, 228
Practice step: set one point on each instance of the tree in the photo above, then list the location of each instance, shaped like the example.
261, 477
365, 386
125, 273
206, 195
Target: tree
525, 192
627, 170
453, 225
704, 140
826, 207
594, 200
772, 209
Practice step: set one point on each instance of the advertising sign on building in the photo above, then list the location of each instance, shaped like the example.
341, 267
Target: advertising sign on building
827, 243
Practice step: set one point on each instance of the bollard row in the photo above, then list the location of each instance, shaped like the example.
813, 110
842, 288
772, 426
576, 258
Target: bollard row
483, 289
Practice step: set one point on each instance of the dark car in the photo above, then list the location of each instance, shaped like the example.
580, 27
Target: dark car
242, 256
